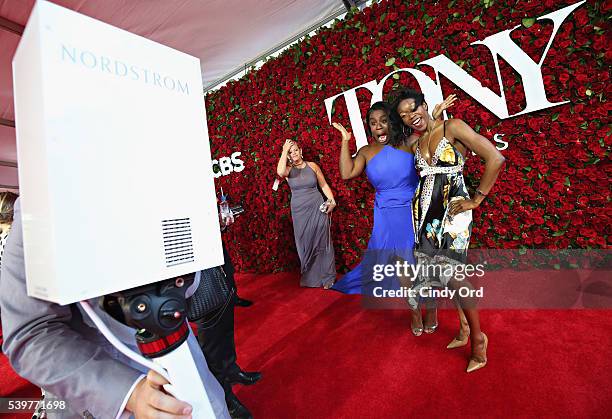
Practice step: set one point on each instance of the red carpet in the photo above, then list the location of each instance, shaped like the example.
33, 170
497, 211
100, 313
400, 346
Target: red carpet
323, 355
11, 385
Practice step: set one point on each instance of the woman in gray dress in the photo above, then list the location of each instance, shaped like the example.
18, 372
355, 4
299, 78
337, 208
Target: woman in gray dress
311, 216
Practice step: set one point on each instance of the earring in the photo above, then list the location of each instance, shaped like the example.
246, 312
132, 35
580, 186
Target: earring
406, 131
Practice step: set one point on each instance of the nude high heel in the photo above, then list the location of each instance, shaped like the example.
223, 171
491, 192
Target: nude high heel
475, 364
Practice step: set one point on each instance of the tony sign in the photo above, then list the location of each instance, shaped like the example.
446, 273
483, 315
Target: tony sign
500, 45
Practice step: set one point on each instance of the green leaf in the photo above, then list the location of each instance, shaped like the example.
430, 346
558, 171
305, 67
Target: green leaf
567, 181
382, 17
390, 62
405, 52
558, 233
528, 22
428, 19
555, 116
557, 266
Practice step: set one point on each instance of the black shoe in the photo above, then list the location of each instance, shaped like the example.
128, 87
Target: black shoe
243, 377
242, 302
236, 409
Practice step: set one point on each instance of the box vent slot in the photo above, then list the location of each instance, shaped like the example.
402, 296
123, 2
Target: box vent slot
178, 244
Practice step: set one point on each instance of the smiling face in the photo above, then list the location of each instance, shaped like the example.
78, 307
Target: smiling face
379, 126
416, 119
295, 154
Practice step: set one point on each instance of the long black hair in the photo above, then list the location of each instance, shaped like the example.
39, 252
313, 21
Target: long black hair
395, 130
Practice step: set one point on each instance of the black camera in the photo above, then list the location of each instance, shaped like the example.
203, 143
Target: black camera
237, 210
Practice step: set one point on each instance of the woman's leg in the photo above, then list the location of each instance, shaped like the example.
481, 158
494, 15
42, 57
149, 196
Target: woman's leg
416, 321
464, 329
467, 305
431, 315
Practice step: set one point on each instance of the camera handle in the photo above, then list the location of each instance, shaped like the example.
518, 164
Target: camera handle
158, 313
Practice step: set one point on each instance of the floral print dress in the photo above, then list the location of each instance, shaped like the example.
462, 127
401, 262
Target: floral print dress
439, 237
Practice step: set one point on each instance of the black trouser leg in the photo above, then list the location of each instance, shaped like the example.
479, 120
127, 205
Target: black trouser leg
217, 342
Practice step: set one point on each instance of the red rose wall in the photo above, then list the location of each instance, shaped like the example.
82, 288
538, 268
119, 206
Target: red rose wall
554, 191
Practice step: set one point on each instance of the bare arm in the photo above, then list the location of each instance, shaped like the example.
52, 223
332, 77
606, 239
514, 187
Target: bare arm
282, 169
412, 141
324, 186
441, 107
349, 167
494, 161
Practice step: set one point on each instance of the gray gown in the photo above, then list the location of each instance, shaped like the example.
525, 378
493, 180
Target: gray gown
311, 228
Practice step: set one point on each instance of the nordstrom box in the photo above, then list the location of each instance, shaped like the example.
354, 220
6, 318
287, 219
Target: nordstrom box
114, 160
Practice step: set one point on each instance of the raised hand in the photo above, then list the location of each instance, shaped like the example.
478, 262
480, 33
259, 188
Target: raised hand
441, 107
346, 136
287, 145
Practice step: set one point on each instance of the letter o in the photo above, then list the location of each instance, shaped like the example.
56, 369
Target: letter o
166, 83
85, 54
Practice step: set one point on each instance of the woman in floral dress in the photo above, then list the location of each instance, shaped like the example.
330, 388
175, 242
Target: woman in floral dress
442, 207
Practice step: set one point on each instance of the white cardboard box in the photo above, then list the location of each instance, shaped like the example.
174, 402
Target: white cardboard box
112, 143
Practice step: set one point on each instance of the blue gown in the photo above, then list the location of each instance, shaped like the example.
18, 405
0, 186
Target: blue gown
393, 175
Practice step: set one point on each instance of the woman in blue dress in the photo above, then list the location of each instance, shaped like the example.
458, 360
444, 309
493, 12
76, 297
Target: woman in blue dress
389, 164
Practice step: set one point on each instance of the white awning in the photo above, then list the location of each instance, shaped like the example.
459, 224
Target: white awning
223, 34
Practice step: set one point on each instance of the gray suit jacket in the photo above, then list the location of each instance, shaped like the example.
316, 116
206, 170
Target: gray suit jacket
55, 348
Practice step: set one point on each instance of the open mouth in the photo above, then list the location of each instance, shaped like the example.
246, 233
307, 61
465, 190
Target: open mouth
416, 121
382, 138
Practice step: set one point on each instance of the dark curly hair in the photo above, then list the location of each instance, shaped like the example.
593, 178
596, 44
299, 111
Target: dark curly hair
395, 130
396, 97
403, 94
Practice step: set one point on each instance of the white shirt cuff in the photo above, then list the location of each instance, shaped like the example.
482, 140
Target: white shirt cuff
122, 413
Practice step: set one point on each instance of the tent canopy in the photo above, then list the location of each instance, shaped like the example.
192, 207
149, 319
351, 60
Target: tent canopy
223, 34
